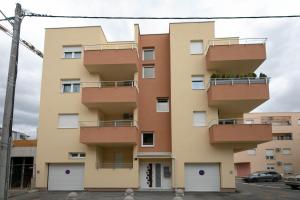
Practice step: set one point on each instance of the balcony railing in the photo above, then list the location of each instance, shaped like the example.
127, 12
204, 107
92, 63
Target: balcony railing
112, 46
233, 41
235, 121
112, 123
234, 81
110, 84
104, 165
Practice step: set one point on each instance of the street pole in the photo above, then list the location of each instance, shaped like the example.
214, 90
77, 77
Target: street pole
6, 139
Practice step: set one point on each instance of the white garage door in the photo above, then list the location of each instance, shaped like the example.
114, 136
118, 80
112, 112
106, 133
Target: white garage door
65, 177
202, 177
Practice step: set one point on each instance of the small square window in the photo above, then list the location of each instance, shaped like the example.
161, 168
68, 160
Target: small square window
72, 52
148, 54
198, 82
148, 71
70, 86
286, 151
162, 104
68, 54
196, 47
147, 139
199, 118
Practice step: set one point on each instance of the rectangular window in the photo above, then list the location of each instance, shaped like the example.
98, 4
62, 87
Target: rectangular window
68, 121
251, 152
298, 121
270, 154
199, 118
270, 166
76, 155
283, 136
286, 151
288, 168
70, 86
147, 139
198, 82
162, 104
249, 121
148, 71
72, 52
148, 54
196, 47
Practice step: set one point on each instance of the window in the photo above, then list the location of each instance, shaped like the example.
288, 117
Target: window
249, 121
148, 54
70, 86
286, 151
147, 139
270, 166
76, 155
198, 83
298, 121
288, 168
199, 118
68, 120
162, 104
72, 52
283, 136
251, 152
148, 71
270, 154
196, 47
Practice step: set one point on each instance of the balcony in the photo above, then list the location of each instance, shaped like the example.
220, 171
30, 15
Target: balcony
237, 96
239, 131
114, 61
235, 55
109, 132
110, 96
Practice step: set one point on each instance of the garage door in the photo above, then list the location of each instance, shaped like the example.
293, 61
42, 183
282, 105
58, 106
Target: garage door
65, 177
202, 177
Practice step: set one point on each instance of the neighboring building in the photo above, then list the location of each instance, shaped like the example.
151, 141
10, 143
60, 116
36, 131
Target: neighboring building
23, 159
16, 135
146, 114
281, 154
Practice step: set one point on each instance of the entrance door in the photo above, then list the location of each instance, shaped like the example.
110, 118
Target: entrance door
155, 175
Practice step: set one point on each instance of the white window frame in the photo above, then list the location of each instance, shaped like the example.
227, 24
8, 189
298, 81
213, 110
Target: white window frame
73, 50
286, 151
157, 104
251, 152
270, 166
199, 125
149, 49
148, 66
270, 157
72, 83
291, 167
192, 52
142, 139
67, 127
78, 155
201, 79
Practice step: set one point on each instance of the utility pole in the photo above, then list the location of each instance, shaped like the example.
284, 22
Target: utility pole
6, 140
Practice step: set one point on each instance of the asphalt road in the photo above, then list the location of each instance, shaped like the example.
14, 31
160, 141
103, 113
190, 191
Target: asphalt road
246, 191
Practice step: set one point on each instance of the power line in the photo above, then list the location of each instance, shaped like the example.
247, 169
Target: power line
30, 14
23, 42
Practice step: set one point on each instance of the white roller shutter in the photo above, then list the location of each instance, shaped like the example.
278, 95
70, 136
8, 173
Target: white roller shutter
66, 177
202, 177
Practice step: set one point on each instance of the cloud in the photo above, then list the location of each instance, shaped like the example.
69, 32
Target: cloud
282, 47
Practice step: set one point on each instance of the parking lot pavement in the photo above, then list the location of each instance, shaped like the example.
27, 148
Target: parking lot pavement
246, 191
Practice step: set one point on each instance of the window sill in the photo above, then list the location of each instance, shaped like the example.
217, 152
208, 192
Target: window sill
147, 146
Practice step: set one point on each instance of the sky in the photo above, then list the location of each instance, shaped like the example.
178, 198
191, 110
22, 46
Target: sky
282, 63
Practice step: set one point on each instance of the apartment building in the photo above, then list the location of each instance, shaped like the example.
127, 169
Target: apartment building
152, 113
281, 154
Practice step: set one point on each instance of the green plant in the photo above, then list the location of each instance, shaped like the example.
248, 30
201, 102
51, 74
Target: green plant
213, 75
262, 75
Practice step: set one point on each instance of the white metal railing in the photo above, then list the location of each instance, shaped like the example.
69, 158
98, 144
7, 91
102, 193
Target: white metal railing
277, 122
105, 165
112, 46
111, 123
110, 84
233, 41
235, 121
233, 81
